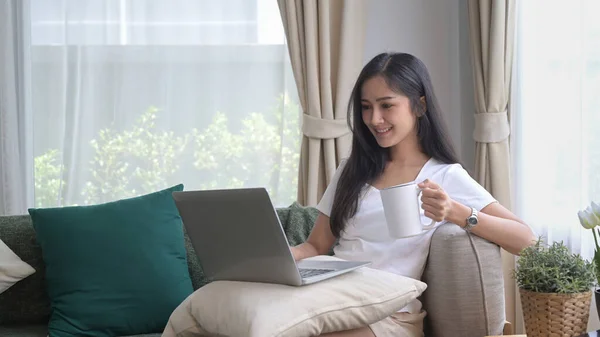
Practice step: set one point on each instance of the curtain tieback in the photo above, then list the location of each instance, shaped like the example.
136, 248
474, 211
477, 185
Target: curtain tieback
491, 127
315, 127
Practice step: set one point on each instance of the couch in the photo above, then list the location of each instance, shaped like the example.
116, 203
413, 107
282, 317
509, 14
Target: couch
464, 297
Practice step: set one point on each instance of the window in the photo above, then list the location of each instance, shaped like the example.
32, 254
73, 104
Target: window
155, 22
131, 96
557, 141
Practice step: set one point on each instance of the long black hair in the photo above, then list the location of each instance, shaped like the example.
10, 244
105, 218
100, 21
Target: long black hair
406, 75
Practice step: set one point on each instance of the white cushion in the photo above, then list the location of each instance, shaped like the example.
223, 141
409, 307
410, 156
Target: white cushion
12, 268
349, 301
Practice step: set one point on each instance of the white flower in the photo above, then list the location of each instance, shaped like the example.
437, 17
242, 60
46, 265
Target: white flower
596, 209
588, 217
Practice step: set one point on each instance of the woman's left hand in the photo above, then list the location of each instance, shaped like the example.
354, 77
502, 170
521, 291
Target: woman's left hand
436, 203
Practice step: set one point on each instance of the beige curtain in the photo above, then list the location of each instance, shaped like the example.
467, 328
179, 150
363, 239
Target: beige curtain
325, 40
492, 27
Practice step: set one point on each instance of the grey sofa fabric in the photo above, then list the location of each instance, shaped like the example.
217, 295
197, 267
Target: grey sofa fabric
465, 293
24, 331
27, 301
40, 331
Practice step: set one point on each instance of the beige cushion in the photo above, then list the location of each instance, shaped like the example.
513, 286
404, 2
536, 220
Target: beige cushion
12, 268
349, 301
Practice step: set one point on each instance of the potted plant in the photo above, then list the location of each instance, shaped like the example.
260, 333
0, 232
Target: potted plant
590, 219
555, 287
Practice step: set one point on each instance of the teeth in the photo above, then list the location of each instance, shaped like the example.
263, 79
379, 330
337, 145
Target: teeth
382, 130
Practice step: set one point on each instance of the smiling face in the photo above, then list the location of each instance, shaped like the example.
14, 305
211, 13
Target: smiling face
387, 114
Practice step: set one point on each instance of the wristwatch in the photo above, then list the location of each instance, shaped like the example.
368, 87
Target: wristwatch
472, 220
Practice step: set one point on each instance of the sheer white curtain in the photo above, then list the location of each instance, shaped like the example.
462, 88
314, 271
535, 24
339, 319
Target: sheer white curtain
16, 166
557, 137
131, 96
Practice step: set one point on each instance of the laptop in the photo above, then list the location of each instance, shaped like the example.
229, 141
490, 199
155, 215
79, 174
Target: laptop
237, 236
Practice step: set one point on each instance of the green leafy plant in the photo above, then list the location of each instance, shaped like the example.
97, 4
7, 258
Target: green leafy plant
264, 151
262, 148
49, 184
553, 269
141, 157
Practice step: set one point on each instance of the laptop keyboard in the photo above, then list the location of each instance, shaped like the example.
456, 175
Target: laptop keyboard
308, 272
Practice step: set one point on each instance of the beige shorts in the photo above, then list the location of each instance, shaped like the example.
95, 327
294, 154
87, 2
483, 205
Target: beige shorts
400, 324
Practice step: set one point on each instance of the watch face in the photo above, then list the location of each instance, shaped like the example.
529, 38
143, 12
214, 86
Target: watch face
473, 221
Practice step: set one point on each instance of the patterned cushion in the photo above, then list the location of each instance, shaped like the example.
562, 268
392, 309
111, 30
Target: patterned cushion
194, 267
297, 222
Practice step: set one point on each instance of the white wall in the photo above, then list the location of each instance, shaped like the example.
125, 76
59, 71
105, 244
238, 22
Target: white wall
436, 32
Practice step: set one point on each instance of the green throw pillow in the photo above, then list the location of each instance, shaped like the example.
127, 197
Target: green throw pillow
113, 269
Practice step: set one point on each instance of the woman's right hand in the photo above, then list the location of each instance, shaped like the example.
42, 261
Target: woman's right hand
295, 253
303, 251
319, 241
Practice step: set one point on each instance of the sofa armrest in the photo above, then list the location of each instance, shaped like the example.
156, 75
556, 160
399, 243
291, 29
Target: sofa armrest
465, 285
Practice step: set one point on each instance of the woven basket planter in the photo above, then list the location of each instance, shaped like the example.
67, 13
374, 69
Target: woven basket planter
554, 315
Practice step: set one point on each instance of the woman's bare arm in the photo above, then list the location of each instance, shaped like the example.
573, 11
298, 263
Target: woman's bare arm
497, 224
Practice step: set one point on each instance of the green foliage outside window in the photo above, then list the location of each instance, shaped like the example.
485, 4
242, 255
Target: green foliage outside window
142, 159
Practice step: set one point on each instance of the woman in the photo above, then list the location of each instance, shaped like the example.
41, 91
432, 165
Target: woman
399, 136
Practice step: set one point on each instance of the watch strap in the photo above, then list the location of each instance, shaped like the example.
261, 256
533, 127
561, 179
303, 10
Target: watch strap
471, 220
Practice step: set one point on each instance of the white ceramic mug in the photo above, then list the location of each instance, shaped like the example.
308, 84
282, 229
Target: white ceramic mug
402, 210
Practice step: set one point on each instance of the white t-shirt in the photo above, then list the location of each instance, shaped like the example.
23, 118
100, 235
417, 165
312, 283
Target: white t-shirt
366, 238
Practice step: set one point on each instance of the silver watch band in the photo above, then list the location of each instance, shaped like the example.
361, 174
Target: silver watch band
471, 220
